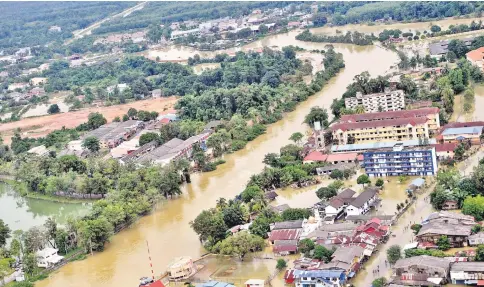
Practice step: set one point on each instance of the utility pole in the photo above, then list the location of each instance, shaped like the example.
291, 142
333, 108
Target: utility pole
151, 264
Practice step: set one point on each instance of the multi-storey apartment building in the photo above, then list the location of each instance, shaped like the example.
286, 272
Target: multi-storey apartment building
380, 131
386, 101
431, 114
398, 161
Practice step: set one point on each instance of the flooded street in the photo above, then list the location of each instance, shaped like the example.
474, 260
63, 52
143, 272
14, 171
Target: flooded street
34, 212
167, 229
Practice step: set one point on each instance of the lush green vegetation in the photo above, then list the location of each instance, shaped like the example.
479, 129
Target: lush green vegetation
404, 11
355, 37
27, 24
156, 13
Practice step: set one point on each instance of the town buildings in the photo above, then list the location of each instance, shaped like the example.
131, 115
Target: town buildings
386, 101
421, 270
476, 239
445, 150
338, 203
476, 57
112, 134
431, 114
456, 227
469, 273
363, 202
441, 48
459, 134
398, 161
37, 81
385, 130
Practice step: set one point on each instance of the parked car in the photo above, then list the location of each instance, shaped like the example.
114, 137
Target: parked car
145, 281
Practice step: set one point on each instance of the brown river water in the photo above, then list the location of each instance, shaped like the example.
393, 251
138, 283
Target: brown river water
167, 229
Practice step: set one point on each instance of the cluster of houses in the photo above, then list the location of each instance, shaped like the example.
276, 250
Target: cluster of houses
352, 244
427, 270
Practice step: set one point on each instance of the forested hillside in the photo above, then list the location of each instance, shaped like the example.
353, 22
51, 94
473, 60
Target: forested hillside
25, 24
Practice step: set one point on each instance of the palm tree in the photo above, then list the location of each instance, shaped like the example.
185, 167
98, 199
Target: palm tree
360, 109
221, 203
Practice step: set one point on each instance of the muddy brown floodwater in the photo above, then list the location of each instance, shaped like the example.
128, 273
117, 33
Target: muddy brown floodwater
167, 229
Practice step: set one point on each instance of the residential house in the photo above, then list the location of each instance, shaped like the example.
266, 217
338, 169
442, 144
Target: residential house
350, 157
48, 257
156, 93
360, 219
112, 134
384, 130
338, 203
285, 247
468, 273
348, 257
450, 204
179, 34
38, 81
121, 88
315, 156
441, 48
431, 232
160, 155
21, 86
476, 57
363, 202
294, 24
326, 170
422, 270
55, 28
450, 218
40, 150
398, 161
476, 239
286, 230
373, 103
326, 232
457, 135
279, 208
445, 150
431, 114
181, 268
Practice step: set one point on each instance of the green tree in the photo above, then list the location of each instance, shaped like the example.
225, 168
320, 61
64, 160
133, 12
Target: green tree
435, 28
459, 152
305, 246
29, 263
476, 228
326, 193
480, 253
53, 109
296, 137
281, 264
416, 228
363, 179
379, 282
94, 233
117, 119
295, 214
148, 137
322, 253
394, 253
240, 244
95, 120
336, 174
91, 143
4, 233
15, 247
209, 225
474, 206
317, 114
443, 243
251, 192
379, 182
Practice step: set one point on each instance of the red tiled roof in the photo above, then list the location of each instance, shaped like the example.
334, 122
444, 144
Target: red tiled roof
360, 157
476, 55
284, 248
316, 156
284, 234
417, 113
445, 147
341, 156
165, 120
157, 283
462, 125
381, 123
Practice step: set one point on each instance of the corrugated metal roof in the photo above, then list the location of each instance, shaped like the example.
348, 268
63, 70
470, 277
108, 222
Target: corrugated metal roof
464, 130
376, 145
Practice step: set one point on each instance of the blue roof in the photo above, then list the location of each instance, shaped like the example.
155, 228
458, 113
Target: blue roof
214, 284
418, 182
465, 130
376, 145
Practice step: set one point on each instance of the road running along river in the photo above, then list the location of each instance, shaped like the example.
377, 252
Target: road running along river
167, 228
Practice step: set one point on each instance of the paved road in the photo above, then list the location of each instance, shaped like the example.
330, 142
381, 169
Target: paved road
401, 234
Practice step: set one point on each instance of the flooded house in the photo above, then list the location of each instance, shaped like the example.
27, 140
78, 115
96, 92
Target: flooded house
422, 270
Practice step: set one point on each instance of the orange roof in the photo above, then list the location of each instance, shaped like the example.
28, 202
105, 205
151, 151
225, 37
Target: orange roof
341, 156
476, 55
315, 156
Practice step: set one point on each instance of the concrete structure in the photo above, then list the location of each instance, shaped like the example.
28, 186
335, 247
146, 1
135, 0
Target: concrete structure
422, 270
385, 130
476, 57
179, 34
338, 203
181, 268
112, 134
398, 161
318, 278
431, 114
326, 170
457, 135
363, 202
386, 101
40, 150
37, 81
445, 150
377, 145
48, 257
476, 239
469, 273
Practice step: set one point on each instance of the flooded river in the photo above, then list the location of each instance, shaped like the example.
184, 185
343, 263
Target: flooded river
167, 228
34, 212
